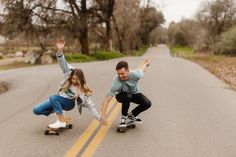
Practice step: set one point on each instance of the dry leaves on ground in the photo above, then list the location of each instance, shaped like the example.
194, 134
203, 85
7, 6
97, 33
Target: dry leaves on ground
3, 87
224, 68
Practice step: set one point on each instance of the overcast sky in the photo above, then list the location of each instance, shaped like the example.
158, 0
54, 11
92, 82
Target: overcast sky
175, 10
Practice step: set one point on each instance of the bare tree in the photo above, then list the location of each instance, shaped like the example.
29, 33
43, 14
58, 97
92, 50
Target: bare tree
75, 12
104, 15
19, 19
217, 16
126, 22
77, 19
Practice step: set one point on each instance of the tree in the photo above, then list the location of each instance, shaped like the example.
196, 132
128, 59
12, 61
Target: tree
81, 20
158, 36
217, 16
227, 43
177, 35
104, 15
126, 23
45, 12
20, 20
150, 19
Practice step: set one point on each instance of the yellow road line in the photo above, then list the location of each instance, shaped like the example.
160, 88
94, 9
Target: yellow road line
73, 151
101, 134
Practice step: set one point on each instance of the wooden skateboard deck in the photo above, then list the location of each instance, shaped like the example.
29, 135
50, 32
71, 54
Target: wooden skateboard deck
57, 131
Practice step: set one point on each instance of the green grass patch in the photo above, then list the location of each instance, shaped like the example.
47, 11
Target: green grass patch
75, 57
104, 55
182, 51
99, 55
139, 52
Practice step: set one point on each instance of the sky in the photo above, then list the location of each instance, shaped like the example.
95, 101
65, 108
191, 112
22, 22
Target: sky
175, 10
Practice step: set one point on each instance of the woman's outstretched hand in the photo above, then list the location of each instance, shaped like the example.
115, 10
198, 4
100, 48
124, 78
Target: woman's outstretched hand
60, 44
103, 121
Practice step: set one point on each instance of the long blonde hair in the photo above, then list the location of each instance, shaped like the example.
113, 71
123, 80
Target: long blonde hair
82, 87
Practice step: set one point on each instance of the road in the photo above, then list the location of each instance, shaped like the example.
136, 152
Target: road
193, 113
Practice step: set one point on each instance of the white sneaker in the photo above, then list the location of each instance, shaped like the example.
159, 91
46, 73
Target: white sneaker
123, 122
57, 124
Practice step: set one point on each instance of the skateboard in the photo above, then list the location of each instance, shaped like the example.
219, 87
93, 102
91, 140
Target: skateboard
57, 131
129, 125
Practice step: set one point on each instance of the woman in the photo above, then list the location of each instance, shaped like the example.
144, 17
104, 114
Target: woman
73, 90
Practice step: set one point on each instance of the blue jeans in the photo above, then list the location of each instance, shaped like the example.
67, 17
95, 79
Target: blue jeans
55, 103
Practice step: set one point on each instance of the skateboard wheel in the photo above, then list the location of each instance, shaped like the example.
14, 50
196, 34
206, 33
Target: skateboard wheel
133, 126
70, 126
46, 132
58, 133
121, 130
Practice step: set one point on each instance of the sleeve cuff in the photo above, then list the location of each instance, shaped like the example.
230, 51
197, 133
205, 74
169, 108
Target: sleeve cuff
59, 54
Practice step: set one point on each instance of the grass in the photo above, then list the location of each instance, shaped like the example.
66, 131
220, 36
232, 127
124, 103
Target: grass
104, 55
182, 51
139, 52
70, 57
99, 55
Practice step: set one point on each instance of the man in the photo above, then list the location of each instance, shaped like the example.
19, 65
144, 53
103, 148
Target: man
124, 88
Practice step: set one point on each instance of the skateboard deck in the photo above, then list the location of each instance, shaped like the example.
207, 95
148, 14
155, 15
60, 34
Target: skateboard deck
57, 131
129, 125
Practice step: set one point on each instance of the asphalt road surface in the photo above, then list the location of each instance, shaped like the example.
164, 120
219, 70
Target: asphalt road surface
193, 113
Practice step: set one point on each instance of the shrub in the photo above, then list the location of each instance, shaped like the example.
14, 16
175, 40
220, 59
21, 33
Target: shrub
227, 43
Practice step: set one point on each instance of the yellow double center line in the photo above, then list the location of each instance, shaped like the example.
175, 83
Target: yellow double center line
93, 135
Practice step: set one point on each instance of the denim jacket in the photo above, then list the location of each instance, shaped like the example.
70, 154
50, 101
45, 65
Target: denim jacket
83, 100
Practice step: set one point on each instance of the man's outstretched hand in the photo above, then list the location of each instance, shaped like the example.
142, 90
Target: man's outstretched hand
144, 65
147, 62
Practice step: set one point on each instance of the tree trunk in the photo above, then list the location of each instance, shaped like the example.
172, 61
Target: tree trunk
109, 36
83, 37
120, 44
109, 12
41, 43
43, 47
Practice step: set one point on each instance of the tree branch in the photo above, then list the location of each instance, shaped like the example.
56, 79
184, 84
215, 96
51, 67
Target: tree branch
54, 9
